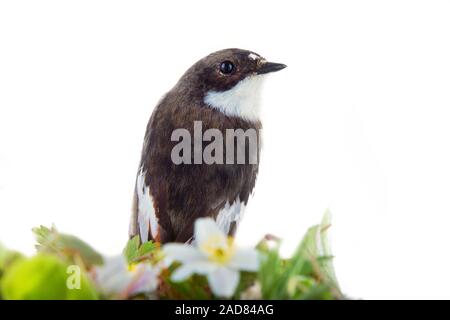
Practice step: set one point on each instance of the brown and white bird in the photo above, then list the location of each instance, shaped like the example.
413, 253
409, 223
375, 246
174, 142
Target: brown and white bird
222, 91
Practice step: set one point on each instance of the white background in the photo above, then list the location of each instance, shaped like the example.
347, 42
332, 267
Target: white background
358, 123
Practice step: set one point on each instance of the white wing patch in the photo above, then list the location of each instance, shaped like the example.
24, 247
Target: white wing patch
229, 214
146, 211
243, 100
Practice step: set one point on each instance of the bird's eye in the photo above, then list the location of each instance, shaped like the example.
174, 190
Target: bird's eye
226, 67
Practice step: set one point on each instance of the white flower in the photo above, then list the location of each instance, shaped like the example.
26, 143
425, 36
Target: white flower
119, 279
214, 256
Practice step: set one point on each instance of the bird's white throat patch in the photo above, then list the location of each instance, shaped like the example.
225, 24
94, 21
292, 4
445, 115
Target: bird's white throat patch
243, 100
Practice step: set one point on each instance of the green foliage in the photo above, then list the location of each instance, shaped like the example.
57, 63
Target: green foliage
194, 288
131, 250
66, 246
309, 274
43, 277
325, 251
247, 280
7, 259
135, 252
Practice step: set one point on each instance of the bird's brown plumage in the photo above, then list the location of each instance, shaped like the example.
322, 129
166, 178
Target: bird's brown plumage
184, 192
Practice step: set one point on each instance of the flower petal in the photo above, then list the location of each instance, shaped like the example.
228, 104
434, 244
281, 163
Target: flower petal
145, 279
223, 281
182, 252
206, 228
245, 259
199, 267
112, 277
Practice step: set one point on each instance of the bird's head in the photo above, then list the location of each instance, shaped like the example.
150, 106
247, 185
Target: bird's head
230, 80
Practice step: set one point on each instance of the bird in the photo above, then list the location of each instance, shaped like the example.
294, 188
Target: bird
222, 92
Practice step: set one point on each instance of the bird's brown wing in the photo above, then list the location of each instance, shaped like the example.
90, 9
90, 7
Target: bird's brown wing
175, 195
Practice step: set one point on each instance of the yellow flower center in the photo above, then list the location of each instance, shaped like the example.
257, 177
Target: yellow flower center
132, 267
218, 250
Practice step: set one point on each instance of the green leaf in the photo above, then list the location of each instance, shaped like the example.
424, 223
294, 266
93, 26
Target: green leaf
66, 246
131, 250
7, 259
134, 251
326, 261
317, 292
147, 248
43, 277
311, 263
270, 272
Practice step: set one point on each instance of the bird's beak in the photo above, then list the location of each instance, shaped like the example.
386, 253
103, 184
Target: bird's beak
267, 67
